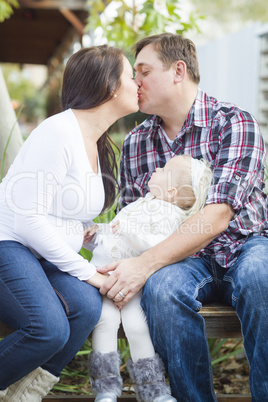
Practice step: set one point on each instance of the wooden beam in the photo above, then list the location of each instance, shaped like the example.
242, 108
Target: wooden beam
61, 51
52, 4
73, 19
132, 398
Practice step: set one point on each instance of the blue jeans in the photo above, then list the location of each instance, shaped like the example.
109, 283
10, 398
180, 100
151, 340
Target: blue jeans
51, 311
173, 296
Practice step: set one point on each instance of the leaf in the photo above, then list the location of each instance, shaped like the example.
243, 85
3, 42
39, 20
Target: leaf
233, 366
6, 10
14, 3
222, 358
218, 346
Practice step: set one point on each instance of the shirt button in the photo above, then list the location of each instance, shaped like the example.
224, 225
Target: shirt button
237, 177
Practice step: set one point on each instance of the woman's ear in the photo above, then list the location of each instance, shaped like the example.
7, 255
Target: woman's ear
180, 71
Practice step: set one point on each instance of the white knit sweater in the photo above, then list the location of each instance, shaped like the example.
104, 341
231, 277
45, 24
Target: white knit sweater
143, 224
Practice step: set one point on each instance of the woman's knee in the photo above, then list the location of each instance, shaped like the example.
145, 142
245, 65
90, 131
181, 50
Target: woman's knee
51, 331
85, 305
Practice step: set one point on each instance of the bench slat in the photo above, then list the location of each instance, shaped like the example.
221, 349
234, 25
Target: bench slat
221, 322
132, 398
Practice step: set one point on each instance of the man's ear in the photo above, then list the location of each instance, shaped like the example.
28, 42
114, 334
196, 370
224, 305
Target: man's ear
180, 71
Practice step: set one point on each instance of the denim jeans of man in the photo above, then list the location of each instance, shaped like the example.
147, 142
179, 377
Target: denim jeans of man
51, 311
173, 296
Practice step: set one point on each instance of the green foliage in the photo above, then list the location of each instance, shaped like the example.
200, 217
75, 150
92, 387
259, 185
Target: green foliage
132, 22
221, 350
6, 9
22, 90
106, 217
165, 14
7, 144
236, 10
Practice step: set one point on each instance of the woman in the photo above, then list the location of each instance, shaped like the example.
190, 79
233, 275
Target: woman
63, 177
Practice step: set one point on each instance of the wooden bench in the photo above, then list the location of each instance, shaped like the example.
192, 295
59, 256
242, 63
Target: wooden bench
221, 322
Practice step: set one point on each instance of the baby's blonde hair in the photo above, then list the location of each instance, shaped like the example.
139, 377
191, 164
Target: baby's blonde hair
183, 181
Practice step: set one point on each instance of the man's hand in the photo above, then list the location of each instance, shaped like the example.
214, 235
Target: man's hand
128, 278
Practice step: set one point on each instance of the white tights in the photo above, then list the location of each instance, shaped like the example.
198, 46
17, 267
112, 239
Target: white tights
104, 337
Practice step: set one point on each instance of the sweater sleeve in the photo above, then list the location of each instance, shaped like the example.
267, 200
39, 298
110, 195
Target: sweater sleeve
45, 165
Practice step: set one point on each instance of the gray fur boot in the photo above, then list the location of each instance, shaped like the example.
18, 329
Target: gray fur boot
149, 380
104, 371
31, 388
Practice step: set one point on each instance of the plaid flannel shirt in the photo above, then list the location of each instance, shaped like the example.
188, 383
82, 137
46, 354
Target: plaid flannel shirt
230, 139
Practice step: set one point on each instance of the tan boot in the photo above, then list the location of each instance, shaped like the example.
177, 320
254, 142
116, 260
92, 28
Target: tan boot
3, 394
31, 388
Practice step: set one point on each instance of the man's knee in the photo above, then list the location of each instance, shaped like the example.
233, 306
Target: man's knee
174, 287
159, 290
166, 283
249, 275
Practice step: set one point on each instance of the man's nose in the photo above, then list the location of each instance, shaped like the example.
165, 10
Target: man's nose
137, 80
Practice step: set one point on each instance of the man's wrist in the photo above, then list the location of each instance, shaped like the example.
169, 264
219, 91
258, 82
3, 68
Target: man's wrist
151, 262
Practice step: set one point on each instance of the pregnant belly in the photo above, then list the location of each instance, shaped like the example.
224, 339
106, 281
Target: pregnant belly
70, 230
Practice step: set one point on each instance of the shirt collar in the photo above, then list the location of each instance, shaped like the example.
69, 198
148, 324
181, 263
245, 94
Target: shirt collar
155, 126
200, 112
202, 109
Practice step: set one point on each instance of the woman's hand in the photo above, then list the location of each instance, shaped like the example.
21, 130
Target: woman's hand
89, 233
98, 279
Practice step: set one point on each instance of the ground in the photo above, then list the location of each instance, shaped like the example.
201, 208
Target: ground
230, 376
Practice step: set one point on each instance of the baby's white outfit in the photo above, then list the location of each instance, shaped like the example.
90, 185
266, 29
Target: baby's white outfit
143, 224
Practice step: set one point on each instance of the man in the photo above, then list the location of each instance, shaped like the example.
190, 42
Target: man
217, 254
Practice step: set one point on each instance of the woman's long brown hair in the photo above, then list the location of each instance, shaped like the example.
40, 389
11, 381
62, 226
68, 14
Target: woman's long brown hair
91, 77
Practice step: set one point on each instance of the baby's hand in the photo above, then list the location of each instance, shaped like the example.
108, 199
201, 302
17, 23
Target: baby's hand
115, 227
89, 233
